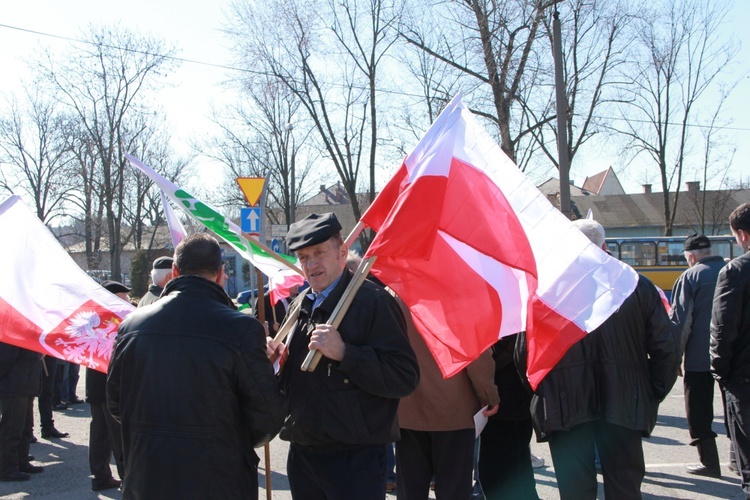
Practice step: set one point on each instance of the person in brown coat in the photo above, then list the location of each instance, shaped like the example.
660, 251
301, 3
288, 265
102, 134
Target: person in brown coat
437, 424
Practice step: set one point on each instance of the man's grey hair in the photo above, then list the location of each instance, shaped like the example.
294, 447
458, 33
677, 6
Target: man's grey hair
352, 260
158, 276
592, 229
700, 253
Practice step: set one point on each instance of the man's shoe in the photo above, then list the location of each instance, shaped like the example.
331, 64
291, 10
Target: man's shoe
15, 476
702, 470
53, 433
31, 469
60, 407
33, 439
107, 484
390, 486
76, 400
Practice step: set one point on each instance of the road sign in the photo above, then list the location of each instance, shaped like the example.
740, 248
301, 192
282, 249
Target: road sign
278, 230
250, 220
252, 187
275, 245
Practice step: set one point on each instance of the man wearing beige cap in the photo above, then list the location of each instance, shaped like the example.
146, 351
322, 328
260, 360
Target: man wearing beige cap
343, 414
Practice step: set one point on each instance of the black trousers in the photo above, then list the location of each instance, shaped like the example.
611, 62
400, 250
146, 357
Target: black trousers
337, 475
738, 419
448, 456
505, 470
620, 453
16, 421
699, 405
105, 440
45, 396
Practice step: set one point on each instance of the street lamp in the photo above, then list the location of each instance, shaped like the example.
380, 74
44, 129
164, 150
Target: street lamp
289, 129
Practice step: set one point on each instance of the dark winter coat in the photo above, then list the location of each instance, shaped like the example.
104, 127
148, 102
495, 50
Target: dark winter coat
730, 323
353, 402
619, 373
191, 383
20, 371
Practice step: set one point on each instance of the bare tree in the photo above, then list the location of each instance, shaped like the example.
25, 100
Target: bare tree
104, 83
327, 56
490, 44
679, 57
595, 37
33, 143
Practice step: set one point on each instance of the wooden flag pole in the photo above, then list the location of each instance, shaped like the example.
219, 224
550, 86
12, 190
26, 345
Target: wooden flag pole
260, 307
313, 357
273, 254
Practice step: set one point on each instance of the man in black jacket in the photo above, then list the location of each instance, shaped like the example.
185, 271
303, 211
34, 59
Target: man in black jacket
730, 341
343, 414
20, 381
191, 384
605, 392
161, 273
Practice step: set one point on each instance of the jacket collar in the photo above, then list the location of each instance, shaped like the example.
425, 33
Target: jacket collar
198, 286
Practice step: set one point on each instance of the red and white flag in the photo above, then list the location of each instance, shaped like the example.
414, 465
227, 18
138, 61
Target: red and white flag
478, 253
47, 303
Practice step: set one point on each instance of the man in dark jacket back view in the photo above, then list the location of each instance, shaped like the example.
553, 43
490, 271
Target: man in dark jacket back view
191, 384
730, 341
604, 394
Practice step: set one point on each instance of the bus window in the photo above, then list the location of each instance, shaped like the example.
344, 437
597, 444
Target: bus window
723, 248
638, 253
612, 247
670, 253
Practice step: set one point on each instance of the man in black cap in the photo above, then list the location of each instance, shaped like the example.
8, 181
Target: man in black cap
161, 273
343, 414
692, 298
192, 386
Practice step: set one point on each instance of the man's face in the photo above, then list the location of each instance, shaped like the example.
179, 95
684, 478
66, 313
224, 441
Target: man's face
322, 263
743, 239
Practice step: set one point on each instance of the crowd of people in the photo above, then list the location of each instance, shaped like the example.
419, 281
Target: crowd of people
194, 386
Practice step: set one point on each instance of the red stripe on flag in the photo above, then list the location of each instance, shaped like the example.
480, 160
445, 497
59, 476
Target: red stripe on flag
16, 329
552, 335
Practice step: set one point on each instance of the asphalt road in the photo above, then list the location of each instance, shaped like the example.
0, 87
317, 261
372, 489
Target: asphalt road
667, 453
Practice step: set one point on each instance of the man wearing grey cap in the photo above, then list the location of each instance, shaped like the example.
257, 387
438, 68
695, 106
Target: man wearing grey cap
692, 298
343, 414
161, 273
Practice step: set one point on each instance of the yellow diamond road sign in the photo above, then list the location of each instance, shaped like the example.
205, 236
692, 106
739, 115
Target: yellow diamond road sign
252, 187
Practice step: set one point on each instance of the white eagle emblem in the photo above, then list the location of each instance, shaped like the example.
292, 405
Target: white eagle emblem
90, 338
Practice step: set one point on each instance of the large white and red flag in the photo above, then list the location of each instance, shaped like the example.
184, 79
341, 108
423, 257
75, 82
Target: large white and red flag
47, 303
478, 253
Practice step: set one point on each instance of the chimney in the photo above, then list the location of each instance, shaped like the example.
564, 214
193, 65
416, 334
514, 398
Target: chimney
693, 187
647, 188
322, 188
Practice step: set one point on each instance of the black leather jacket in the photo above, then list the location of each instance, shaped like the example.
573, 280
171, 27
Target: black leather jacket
195, 392
353, 402
20, 371
619, 373
730, 323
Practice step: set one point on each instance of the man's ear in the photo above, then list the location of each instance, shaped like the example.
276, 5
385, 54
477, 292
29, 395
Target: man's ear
175, 271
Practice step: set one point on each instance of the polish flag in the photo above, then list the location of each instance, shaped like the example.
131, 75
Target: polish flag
478, 253
47, 303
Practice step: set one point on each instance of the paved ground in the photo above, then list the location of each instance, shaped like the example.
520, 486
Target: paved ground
66, 464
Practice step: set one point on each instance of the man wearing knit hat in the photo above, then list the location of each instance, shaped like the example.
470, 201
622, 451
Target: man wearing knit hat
161, 273
342, 414
692, 298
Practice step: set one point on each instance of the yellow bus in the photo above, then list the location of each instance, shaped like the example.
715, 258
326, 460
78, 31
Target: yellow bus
660, 258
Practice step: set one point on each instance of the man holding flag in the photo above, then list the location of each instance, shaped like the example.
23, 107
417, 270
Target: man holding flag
342, 414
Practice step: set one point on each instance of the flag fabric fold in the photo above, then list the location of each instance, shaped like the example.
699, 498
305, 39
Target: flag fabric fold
282, 277
48, 304
478, 253
176, 230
